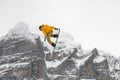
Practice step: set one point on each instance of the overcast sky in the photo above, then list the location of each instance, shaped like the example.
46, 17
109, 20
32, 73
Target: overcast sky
92, 23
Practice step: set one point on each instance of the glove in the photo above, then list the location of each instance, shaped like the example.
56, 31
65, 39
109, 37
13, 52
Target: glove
56, 28
45, 39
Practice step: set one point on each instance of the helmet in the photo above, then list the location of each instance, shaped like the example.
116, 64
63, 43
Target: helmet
40, 27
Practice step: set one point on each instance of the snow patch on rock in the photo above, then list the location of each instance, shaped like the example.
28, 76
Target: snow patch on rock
98, 59
54, 63
80, 62
21, 30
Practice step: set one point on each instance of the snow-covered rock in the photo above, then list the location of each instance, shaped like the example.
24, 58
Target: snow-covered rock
21, 30
98, 59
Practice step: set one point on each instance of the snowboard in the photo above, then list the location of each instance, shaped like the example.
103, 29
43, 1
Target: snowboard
56, 40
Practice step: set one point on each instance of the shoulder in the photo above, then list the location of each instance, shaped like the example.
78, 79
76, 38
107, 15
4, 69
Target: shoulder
47, 26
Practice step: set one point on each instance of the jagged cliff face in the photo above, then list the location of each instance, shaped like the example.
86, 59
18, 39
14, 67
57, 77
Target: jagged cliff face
23, 56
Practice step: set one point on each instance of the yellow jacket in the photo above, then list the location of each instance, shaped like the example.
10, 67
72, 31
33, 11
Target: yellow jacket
46, 29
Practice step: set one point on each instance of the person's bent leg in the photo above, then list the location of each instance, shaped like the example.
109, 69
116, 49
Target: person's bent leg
54, 35
49, 41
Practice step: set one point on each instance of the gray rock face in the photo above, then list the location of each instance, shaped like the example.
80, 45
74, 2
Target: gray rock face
38, 69
22, 59
98, 71
89, 70
23, 56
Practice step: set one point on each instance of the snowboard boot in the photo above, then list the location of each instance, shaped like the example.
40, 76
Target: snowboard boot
53, 44
55, 36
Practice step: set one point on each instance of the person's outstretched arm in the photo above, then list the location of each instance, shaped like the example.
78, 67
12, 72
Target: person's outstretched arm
45, 34
54, 28
44, 39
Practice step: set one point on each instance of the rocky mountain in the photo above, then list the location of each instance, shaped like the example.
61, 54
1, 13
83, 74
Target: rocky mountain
24, 56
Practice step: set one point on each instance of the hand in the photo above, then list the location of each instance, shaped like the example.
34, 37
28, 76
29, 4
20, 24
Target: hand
45, 39
56, 28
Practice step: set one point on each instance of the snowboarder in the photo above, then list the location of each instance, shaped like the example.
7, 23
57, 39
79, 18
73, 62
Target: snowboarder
48, 32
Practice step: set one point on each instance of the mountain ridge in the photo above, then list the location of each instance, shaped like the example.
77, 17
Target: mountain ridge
23, 56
